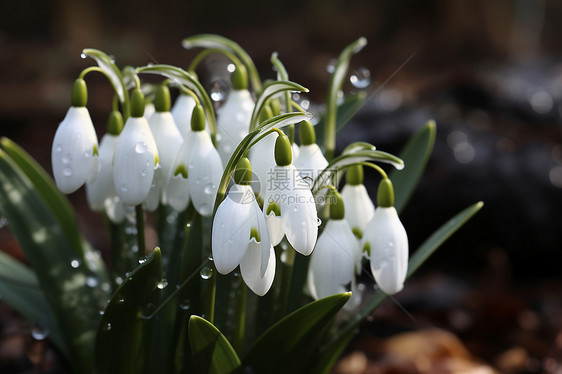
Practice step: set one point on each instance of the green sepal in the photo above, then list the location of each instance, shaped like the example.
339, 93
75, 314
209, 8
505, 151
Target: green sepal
162, 100
137, 103
119, 342
212, 353
283, 152
243, 172
385, 194
79, 97
337, 209
354, 175
115, 123
198, 118
239, 78
307, 134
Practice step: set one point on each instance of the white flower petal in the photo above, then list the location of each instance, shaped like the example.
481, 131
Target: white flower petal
250, 269
262, 159
182, 111
73, 150
274, 226
389, 249
204, 172
310, 163
231, 232
359, 208
177, 193
114, 208
102, 187
258, 222
134, 161
233, 122
332, 264
168, 141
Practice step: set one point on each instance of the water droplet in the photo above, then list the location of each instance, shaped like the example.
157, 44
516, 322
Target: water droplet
83, 55
360, 78
340, 97
142, 260
318, 221
58, 148
107, 326
184, 304
75, 263
331, 66
67, 172
219, 90
38, 332
141, 147
67, 158
112, 58
144, 172
92, 281
206, 272
87, 154
162, 284
106, 286
188, 225
205, 209
120, 299
118, 280
101, 312
123, 187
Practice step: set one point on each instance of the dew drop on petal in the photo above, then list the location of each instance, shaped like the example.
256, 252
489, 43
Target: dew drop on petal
360, 78
318, 221
87, 154
144, 172
67, 158
123, 188
205, 209
38, 332
209, 189
58, 148
141, 147
67, 171
206, 272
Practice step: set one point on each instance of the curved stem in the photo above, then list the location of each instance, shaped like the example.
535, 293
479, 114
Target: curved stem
89, 70
374, 166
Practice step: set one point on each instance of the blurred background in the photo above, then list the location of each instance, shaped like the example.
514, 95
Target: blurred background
489, 73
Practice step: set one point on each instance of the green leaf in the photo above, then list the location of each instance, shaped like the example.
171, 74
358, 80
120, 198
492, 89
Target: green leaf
415, 155
290, 343
63, 276
220, 42
20, 289
420, 256
327, 359
211, 352
120, 334
110, 70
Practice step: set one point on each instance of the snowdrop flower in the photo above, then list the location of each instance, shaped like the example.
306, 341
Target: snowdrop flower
386, 240
288, 204
233, 117
357, 200
240, 235
100, 193
136, 156
181, 112
311, 160
197, 170
168, 141
336, 255
75, 147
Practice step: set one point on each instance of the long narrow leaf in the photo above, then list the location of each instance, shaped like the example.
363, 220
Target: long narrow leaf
211, 352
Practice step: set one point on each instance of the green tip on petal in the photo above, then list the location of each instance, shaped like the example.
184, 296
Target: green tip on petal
275, 208
283, 153
357, 232
385, 194
239, 78
156, 160
337, 209
243, 173
354, 175
367, 249
96, 152
137, 103
181, 170
115, 123
79, 96
162, 101
254, 233
307, 133
198, 118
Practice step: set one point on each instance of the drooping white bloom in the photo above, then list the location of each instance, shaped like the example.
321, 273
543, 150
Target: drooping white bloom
100, 193
310, 162
335, 258
290, 209
262, 158
357, 200
75, 150
168, 141
181, 111
149, 111
387, 241
136, 157
240, 237
233, 121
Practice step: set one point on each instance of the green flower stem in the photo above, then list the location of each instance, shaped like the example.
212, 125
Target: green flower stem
284, 76
240, 316
140, 230
286, 279
209, 293
201, 56
336, 83
89, 70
